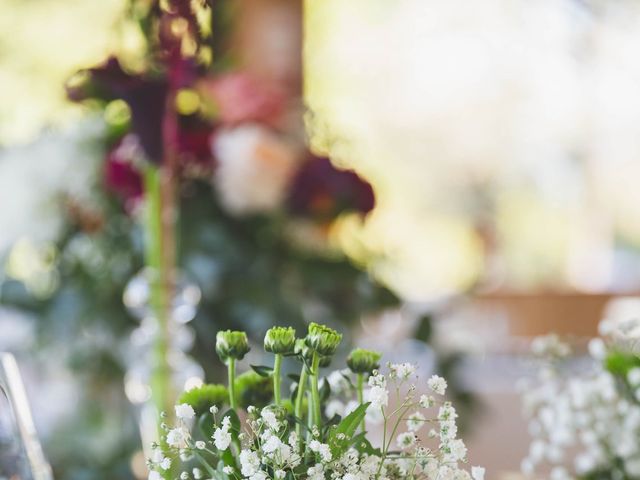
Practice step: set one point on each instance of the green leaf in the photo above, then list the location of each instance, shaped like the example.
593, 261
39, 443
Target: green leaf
335, 420
262, 370
340, 437
235, 421
349, 424
205, 425
619, 363
363, 445
325, 391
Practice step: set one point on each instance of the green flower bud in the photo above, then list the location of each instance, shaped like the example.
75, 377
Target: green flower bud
306, 354
363, 361
322, 339
325, 361
204, 397
253, 389
281, 340
230, 344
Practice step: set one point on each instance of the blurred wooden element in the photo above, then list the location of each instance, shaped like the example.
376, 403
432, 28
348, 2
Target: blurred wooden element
533, 314
268, 41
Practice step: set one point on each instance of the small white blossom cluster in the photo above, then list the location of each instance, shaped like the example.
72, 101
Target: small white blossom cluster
584, 425
270, 449
325, 438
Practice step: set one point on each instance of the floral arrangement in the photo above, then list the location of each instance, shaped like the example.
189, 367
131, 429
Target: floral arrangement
218, 434
193, 167
585, 422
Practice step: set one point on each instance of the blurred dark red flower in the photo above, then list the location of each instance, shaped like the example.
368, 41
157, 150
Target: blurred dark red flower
194, 149
321, 190
241, 98
145, 95
120, 175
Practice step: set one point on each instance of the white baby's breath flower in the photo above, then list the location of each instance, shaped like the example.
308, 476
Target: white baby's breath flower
213, 409
270, 419
457, 450
477, 473
228, 470
447, 413
200, 445
322, 449
427, 401
185, 411
165, 464
597, 348
377, 380
415, 421
197, 473
177, 437
437, 384
222, 436
634, 376
272, 444
158, 455
406, 440
378, 396
249, 462
402, 371
316, 472
293, 439
153, 475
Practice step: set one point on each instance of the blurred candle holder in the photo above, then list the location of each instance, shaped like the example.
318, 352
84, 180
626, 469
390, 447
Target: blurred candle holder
184, 372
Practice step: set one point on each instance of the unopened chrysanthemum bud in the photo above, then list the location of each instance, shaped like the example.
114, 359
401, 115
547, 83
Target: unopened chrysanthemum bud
325, 361
363, 361
230, 344
306, 354
280, 340
253, 389
205, 398
322, 339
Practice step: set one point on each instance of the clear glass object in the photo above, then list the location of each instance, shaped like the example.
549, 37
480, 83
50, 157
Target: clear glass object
184, 304
21, 456
184, 372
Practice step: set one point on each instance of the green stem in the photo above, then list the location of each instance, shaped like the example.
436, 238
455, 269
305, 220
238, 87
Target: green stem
231, 370
160, 379
360, 388
302, 384
310, 415
277, 364
315, 392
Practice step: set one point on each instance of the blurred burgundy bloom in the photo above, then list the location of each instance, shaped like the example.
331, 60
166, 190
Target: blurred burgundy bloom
321, 190
146, 97
194, 148
241, 98
120, 175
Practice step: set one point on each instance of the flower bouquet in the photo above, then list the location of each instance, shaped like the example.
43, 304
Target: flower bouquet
585, 422
249, 430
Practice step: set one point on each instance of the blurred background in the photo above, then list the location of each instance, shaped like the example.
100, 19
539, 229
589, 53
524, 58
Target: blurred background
456, 177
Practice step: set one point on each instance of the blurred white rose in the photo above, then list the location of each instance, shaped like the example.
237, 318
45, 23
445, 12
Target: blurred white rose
254, 168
